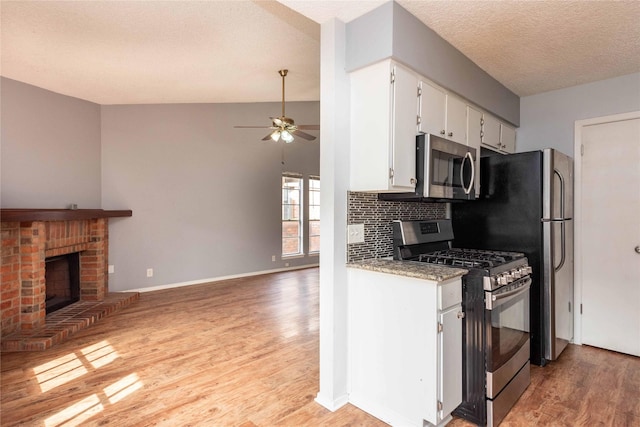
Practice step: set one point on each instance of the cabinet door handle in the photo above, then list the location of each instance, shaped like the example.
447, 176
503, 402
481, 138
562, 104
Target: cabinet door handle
442, 132
450, 134
460, 315
412, 181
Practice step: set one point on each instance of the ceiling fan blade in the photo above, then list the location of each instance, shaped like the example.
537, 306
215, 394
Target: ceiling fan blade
301, 134
277, 121
268, 137
308, 127
255, 127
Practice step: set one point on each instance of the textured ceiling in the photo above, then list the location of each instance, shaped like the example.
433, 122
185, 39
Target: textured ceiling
122, 52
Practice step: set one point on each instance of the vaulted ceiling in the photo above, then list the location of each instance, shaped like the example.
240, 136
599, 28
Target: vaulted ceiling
129, 52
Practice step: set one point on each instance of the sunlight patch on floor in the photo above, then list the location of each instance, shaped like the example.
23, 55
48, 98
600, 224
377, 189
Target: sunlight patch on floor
72, 366
59, 371
100, 354
77, 413
122, 388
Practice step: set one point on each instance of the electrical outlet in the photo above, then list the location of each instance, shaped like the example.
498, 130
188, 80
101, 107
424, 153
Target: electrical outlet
273, 258
149, 272
112, 269
286, 264
355, 233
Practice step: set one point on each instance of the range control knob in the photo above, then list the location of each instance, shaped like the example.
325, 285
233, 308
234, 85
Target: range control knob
516, 273
502, 280
509, 277
529, 269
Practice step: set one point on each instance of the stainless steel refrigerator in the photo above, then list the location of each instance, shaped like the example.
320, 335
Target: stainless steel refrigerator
526, 205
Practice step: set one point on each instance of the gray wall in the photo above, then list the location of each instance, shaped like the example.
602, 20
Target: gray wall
391, 31
548, 118
205, 196
50, 149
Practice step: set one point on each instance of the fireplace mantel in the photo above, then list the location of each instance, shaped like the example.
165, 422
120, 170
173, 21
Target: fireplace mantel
24, 215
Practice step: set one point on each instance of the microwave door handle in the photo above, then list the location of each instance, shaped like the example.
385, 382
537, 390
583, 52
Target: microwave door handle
467, 190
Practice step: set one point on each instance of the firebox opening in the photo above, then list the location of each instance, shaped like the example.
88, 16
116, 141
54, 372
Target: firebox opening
62, 280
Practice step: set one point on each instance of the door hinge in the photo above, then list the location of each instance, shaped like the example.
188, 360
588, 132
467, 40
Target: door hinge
582, 149
391, 173
419, 91
440, 327
393, 76
439, 405
569, 306
580, 308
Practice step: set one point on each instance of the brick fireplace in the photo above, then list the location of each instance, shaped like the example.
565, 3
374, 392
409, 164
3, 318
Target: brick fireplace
31, 236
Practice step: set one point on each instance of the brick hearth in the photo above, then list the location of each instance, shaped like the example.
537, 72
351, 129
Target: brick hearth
25, 246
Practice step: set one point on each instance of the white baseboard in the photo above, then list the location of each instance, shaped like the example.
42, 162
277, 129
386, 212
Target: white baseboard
332, 405
219, 279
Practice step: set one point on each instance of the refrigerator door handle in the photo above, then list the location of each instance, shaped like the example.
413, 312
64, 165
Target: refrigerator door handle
467, 190
562, 193
562, 246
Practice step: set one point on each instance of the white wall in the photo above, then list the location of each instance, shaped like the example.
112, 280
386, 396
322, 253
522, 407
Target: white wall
205, 196
50, 149
547, 119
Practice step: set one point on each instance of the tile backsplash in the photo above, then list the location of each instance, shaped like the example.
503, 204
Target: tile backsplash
377, 216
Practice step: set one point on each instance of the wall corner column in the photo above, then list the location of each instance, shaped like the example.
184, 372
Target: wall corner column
334, 170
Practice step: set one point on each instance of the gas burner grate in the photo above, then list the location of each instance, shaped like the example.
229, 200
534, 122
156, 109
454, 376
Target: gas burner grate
469, 258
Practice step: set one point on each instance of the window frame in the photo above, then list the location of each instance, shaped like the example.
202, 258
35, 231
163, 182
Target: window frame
310, 190
286, 203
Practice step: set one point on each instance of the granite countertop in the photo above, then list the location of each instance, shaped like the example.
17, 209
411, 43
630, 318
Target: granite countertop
418, 270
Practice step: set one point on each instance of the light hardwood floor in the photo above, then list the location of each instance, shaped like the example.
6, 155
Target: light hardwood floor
245, 353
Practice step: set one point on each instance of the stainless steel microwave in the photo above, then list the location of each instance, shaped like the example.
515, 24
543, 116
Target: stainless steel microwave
445, 170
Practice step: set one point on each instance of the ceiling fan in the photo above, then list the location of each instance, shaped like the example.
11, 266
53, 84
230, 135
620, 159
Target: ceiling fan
284, 127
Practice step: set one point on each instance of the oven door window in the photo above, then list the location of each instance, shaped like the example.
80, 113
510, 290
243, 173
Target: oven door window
507, 329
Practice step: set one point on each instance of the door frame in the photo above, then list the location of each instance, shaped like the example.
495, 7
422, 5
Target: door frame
577, 211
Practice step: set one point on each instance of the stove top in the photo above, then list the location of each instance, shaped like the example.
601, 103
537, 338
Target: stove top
469, 258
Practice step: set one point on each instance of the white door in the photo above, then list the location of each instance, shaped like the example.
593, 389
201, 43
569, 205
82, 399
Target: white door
610, 228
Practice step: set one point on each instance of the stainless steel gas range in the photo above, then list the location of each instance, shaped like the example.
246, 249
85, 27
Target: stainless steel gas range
496, 329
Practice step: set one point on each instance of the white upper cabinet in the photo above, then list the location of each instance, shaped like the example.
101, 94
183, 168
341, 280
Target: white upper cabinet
507, 138
433, 107
490, 132
456, 120
390, 104
383, 128
497, 135
441, 113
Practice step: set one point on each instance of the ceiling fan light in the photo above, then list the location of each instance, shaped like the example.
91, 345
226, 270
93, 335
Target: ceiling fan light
286, 136
275, 135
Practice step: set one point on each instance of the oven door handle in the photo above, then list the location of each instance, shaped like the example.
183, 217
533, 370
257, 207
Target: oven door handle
494, 301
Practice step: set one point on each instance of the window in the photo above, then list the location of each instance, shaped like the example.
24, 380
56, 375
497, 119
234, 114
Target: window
314, 214
291, 215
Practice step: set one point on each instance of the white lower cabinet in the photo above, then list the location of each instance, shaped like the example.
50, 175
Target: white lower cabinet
405, 347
